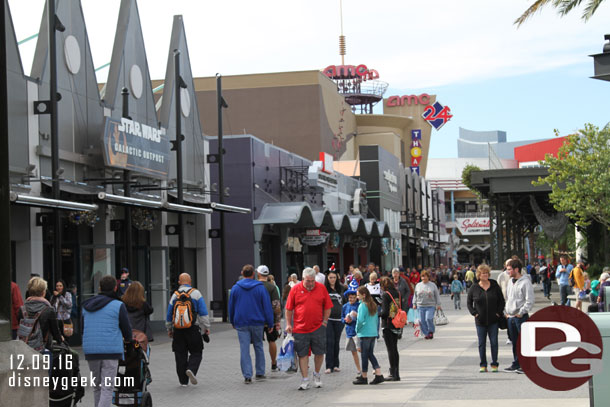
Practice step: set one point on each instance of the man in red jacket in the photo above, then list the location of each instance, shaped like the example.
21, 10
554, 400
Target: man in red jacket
16, 303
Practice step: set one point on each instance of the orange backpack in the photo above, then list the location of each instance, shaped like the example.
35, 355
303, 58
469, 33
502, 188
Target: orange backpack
183, 310
400, 319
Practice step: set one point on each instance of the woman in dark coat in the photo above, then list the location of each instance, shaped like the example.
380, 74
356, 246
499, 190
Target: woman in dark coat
138, 310
486, 303
334, 328
390, 304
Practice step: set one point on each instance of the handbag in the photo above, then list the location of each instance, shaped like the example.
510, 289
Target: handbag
68, 328
400, 319
440, 318
502, 322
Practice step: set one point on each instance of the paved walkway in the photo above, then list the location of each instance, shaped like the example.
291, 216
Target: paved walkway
440, 372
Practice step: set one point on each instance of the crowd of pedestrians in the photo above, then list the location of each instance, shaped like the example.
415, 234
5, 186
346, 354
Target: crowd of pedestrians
365, 302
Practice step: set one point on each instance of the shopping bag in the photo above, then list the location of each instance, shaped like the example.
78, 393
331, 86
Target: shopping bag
411, 316
286, 358
440, 318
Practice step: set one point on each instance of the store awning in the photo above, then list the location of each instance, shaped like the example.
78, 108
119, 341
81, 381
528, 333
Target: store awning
75, 188
199, 199
42, 202
149, 203
300, 214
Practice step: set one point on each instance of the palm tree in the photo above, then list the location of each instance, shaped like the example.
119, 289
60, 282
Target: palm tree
563, 7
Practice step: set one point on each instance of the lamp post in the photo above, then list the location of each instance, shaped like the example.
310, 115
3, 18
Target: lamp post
54, 25
221, 103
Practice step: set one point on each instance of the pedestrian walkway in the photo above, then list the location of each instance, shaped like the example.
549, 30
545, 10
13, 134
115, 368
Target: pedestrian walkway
443, 371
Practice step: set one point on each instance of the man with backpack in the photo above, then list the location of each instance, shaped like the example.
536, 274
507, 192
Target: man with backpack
105, 325
187, 315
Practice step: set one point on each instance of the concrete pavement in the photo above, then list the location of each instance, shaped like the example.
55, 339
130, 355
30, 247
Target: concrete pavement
437, 372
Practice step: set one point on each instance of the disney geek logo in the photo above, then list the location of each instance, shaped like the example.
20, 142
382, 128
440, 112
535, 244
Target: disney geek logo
560, 348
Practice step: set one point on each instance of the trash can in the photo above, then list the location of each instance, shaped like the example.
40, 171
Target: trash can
599, 391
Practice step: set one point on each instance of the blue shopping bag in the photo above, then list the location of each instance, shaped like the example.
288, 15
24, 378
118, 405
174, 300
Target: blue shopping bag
286, 358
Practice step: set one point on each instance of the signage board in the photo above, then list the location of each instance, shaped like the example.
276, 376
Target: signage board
407, 225
327, 162
473, 226
423, 99
437, 115
416, 151
313, 237
134, 146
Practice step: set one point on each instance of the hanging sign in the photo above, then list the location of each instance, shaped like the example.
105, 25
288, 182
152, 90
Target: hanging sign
473, 226
437, 115
313, 237
416, 151
134, 146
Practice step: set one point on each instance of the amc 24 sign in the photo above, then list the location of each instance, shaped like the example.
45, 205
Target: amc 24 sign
473, 226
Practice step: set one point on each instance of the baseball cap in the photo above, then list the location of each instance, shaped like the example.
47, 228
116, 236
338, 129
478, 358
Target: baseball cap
263, 270
124, 270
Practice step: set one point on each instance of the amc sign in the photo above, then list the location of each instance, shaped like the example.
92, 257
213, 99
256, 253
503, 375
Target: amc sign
350, 72
473, 226
423, 99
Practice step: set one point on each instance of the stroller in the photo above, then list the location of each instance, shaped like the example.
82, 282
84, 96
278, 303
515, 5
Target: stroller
135, 366
65, 368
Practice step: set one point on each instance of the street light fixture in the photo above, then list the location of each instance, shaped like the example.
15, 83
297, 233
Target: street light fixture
601, 62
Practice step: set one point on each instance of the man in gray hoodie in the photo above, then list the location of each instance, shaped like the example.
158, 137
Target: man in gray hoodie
519, 302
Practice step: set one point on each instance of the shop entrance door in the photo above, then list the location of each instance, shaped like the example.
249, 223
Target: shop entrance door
96, 261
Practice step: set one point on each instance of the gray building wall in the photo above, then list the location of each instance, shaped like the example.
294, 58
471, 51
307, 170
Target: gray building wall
476, 144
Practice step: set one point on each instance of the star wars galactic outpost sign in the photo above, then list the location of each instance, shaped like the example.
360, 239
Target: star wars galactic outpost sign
436, 115
135, 146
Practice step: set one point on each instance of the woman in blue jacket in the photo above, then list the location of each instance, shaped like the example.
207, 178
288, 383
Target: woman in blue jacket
367, 330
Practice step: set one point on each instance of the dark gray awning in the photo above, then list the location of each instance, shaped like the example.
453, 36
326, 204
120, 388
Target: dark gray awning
300, 214
75, 188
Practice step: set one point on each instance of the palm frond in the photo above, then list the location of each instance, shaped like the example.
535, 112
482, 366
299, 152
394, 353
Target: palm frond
590, 9
565, 6
537, 6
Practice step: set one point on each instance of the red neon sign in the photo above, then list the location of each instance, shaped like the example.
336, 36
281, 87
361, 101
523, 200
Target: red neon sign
350, 71
423, 99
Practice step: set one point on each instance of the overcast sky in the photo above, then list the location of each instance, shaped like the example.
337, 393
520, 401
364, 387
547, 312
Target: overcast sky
493, 76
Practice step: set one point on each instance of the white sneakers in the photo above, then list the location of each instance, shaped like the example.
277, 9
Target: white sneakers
191, 376
317, 381
304, 384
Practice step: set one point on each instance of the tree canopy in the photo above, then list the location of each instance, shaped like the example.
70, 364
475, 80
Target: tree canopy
580, 176
563, 7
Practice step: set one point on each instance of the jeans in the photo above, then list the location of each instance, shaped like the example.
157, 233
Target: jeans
391, 344
514, 328
564, 291
251, 335
104, 372
367, 345
426, 315
333, 337
483, 332
546, 285
457, 303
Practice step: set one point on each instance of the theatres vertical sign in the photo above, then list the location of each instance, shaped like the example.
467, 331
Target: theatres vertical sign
416, 152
